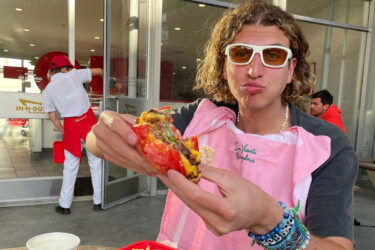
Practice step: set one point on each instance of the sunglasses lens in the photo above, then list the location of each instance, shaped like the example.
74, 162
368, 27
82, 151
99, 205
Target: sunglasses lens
240, 54
274, 56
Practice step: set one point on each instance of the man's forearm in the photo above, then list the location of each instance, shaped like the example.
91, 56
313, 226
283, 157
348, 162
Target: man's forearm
332, 243
58, 125
96, 71
56, 122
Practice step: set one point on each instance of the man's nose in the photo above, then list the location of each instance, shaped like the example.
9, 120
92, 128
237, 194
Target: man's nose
256, 67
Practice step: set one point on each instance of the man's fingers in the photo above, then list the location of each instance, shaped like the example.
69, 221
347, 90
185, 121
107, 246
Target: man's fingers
129, 119
120, 124
116, 140
211, 208
192, 192
107, 117
117, 146
210, 172
142, 169
218, 176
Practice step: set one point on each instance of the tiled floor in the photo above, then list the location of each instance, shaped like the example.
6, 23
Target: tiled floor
16, 160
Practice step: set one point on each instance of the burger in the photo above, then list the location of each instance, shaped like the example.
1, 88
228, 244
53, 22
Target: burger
163, 146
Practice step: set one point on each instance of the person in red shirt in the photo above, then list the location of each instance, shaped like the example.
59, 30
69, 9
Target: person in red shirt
321, 106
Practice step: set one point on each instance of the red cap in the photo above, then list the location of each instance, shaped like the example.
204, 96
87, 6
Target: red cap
60, 61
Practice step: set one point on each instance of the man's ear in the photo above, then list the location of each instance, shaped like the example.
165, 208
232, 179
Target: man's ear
325, 107
292, 65
225, 70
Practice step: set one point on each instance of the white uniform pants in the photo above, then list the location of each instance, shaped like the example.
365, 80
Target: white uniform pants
71, 165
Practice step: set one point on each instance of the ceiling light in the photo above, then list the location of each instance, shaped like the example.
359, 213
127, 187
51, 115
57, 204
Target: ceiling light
183, 67
177, 28
36, 57
101, 20
201, 5
5, 50
198, 59
174, 73
92, 50
96, 37
18, 9
32, 45
26, 30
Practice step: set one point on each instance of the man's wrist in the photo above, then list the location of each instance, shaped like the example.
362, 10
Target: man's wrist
272, 217
290, 232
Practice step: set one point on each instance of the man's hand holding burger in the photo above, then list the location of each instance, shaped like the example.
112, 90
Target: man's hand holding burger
113, 139
148, 144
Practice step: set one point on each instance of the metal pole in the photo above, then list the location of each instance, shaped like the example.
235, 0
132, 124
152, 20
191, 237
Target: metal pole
71, 20
343, 60
133, 49
364, 144
107, 52
106, 68
327, 49
153, 64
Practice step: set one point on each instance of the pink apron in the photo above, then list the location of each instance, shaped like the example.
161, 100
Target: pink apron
281, 164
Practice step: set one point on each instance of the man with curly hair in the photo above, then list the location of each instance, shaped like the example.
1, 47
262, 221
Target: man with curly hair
277, 179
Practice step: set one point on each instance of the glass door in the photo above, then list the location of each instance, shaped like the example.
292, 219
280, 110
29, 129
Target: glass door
127, 86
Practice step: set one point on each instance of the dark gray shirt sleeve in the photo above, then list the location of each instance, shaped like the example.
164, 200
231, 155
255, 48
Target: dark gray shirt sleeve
183, 116
329, 203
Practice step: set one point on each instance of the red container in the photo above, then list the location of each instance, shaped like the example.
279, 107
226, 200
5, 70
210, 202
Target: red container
147, 243
58, 152
17, 121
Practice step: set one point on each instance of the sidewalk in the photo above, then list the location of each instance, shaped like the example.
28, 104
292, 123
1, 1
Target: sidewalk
136, 220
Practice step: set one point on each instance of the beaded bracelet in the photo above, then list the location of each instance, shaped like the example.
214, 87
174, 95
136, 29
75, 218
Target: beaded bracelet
290, 233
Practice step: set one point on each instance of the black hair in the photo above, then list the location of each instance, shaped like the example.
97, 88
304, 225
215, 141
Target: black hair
58, 70
324, 95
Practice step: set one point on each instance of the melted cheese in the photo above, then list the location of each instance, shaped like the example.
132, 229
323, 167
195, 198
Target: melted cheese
147, 116
195, 154
142, 118
190, 169
188, 144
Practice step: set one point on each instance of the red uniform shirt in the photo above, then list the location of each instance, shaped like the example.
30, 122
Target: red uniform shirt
333, 115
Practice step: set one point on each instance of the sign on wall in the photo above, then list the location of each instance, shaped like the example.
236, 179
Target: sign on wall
15, 72
21, 105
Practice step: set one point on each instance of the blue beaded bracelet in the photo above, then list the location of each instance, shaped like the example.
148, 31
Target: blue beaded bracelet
266, 238
288, 234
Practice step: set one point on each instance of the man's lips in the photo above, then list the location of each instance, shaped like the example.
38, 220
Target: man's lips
252, 88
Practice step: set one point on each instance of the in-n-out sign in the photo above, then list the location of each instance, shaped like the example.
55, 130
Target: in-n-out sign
30, 106
21, 105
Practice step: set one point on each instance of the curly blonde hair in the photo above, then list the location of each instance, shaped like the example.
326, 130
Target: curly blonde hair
210, 70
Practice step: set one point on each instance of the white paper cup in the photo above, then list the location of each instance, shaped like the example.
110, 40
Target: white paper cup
53, 241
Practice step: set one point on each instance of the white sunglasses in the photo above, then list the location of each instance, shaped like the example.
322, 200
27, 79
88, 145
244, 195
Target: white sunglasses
272, 56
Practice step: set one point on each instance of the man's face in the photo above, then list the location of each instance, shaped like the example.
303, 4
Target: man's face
256, 86
317, 108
